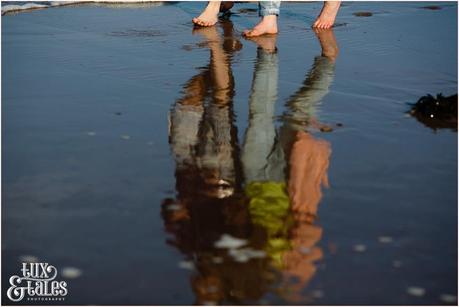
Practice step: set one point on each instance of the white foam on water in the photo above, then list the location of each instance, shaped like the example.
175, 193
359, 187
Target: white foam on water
33, 6
28, 6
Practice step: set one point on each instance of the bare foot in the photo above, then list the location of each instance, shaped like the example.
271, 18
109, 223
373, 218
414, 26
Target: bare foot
267, 25
267, 42
209, 16
327, 16
328, 43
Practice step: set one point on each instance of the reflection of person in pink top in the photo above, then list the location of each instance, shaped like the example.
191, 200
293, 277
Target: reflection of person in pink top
309, 160
271, 157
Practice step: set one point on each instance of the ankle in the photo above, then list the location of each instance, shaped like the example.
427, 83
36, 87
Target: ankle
214, 4
270, 19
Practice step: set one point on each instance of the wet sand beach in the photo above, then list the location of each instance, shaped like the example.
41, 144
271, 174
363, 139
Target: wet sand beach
155, 163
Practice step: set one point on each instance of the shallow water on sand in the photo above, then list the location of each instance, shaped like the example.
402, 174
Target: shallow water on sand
172, 166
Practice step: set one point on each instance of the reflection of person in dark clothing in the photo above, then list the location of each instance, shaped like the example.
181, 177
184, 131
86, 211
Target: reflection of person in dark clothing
203, 139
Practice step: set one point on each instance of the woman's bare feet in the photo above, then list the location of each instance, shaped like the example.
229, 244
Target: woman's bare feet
328, 14
209, 16
267, 25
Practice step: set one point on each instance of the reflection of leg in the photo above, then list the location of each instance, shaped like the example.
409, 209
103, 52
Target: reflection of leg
218, 137
260, 135
302, 105
216, 147
185, 119
269, 10
221, 78
327, 43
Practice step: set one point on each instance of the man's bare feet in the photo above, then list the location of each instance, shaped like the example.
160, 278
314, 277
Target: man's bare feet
267, 42
267, 25
328, 14
209, 16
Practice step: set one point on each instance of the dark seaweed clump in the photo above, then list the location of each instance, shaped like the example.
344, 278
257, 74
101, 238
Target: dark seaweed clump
363, 14
436, 112
431, 7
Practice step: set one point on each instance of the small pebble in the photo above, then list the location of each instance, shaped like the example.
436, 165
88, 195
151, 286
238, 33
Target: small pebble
28, 258
91, 133
125, 137
416, 291
360, 248
70, 272
385, 239
431, 7
363, 14
448, 298
326, 129
186, 265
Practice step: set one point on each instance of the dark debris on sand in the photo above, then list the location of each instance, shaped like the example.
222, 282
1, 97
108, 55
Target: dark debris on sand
436, 112
431, 7
363, 14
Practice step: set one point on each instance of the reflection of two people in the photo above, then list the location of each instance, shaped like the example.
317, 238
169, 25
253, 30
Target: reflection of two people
267, 192
209, 201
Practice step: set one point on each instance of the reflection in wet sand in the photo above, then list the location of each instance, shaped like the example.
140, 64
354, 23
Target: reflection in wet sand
244, 215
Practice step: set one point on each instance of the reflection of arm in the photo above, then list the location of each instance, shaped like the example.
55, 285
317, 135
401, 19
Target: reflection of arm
309, 162
302, 105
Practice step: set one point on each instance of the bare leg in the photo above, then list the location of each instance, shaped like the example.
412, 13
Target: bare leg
327, 16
